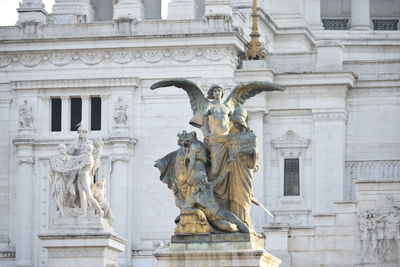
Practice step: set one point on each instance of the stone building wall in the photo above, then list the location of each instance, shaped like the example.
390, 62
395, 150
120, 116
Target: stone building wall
338, 116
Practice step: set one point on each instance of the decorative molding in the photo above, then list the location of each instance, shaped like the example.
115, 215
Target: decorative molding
121, 157
290, 140
7, 254
27, 160
372, 170
75, 83
330, 116
149, 56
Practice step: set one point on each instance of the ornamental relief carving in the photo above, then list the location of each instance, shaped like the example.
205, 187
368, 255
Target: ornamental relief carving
119, 57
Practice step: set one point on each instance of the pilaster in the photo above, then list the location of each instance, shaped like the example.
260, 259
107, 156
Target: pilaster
329, 140
24, 202
129, 9
360, 15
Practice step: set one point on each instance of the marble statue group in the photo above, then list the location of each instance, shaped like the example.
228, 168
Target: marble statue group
212, 180
72, 179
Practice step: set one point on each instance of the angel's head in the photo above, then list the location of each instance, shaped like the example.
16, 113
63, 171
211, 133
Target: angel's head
215, 92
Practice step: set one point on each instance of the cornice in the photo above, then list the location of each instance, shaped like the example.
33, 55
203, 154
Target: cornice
316, 79
75, 83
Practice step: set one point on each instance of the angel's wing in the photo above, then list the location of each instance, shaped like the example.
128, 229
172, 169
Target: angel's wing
197, 98
244, 91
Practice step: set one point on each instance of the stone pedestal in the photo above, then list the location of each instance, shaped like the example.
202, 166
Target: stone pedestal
82, 249
216, 250
82, 241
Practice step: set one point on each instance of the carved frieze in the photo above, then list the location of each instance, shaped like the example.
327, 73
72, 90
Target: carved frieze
380, 233
152, 56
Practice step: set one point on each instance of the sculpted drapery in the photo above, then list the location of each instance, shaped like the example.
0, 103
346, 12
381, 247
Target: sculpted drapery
232, 155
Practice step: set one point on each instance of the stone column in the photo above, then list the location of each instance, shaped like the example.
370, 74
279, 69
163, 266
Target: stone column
86, 111
218, 7
329, 140
256, 123
360, 15
73, 11
129, 9
65, 111
152, 9
31, 11
24, 203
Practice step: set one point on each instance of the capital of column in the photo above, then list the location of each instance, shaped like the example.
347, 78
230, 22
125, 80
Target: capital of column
129, 9
360, 15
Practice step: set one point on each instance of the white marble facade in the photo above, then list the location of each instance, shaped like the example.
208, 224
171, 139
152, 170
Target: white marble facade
339, 116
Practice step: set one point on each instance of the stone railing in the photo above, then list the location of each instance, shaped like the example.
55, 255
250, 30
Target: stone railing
374, 170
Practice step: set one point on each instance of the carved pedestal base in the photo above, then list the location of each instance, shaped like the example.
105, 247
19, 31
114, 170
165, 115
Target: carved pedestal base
85, 249
216, 250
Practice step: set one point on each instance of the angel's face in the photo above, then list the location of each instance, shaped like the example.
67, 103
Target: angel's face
217, 93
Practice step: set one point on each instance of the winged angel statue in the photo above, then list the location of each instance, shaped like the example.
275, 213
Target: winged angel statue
212, 181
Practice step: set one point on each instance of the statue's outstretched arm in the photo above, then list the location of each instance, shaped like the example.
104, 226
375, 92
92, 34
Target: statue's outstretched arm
196, 96
244, 91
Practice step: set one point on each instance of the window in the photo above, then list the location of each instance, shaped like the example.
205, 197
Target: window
385, 24
56, 115
95, 114
335, 24
76, 113
291, 177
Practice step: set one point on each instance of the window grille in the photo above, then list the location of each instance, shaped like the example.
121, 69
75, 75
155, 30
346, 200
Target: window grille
336, 24
385, 24
291, 177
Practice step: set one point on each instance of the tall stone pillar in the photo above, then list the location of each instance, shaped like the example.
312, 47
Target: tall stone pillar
129, 9
31, 11
360, 15
182, 9
73, 11
329, 140
24, 202
218, 7
256, 123
152, 9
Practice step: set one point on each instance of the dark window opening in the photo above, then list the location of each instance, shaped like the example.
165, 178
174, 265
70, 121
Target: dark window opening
291, 177
95, 114
76, 113
56, 115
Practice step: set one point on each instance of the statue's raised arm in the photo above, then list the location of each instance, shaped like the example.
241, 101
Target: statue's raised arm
246, 90
197, 99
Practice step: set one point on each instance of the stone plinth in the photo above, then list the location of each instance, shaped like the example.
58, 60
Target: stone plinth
216, 250
82, 249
